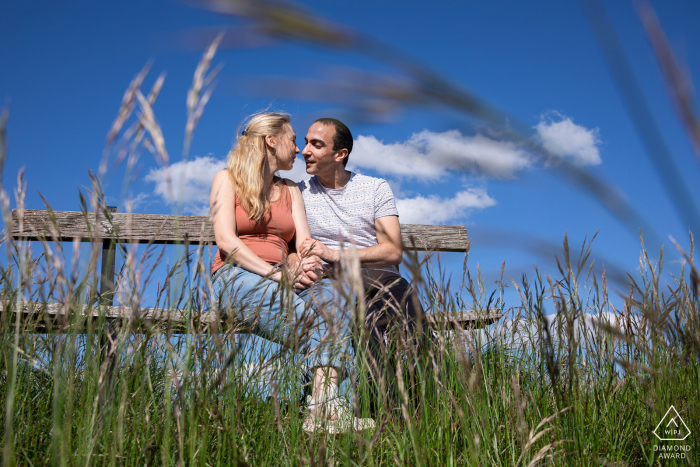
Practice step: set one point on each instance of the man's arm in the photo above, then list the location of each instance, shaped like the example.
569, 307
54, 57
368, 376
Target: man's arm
387, 252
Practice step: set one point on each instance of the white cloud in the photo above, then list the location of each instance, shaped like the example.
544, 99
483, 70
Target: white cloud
436, 210
191, 182
142, 199
429, 156
566, 139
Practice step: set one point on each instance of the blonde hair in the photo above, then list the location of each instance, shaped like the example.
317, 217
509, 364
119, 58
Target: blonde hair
247, 159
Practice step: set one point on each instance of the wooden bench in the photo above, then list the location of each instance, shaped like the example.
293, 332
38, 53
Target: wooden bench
111, 227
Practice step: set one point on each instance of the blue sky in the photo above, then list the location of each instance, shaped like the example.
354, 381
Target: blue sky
66, 66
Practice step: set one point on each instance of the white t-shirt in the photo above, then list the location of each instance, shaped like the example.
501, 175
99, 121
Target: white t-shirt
345, 216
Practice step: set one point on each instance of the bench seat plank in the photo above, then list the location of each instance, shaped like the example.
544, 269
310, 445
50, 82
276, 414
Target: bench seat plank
170, 229
52, 315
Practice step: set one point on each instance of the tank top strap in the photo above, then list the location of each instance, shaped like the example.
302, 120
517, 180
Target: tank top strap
289, 192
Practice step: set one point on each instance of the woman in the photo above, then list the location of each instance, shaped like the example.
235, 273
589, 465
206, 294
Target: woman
255, 216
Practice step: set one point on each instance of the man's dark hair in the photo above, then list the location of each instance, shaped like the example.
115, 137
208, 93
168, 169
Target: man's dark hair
342, 138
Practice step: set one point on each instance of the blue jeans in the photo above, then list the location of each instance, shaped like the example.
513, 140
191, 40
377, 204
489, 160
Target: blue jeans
314, 323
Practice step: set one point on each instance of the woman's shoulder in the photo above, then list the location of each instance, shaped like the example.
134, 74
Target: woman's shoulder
223, 173
290, 184
222, 185
292, 190
222, 178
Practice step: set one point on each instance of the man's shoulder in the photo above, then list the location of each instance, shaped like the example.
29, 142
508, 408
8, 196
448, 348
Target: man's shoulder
309, 185
364, 180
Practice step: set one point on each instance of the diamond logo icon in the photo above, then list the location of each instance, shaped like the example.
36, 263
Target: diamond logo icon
671, 427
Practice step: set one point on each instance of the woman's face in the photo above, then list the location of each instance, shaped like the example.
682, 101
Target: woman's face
286, 148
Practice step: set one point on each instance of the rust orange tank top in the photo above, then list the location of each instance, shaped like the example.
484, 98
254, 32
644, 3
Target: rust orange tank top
269, 237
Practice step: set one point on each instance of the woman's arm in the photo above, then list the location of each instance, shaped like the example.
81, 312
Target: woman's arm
298, 213
222, 202
309, 264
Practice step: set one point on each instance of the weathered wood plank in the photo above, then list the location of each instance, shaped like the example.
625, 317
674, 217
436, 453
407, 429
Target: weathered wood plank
53, 315
168, 229
434, 237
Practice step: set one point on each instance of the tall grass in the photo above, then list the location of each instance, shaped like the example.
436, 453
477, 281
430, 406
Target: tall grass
584, 388
567, 378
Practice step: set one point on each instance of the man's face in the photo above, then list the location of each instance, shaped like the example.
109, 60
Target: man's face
320, 157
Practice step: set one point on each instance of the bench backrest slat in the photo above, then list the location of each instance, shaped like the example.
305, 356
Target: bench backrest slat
170, 229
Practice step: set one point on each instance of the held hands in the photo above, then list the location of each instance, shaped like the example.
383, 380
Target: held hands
312, 267
314, 247
304, 272
311, 270
292, 265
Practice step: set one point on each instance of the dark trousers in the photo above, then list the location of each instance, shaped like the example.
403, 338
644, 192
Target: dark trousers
394, 327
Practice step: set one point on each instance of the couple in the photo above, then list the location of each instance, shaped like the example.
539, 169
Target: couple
257, 216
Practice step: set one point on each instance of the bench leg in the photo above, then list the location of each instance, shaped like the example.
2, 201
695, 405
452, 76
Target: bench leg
108, 338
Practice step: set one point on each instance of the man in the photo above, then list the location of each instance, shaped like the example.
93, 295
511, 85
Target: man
347, 210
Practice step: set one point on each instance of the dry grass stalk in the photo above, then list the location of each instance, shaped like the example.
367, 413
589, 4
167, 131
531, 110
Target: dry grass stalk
680, 85
135, 132
200, 92
127, 106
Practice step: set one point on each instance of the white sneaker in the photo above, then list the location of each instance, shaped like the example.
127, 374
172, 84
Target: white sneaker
333, 417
